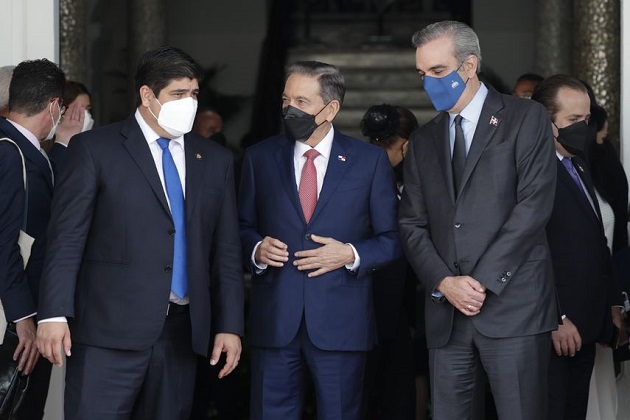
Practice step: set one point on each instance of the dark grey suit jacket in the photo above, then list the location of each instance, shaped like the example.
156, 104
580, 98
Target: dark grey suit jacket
108, 266
495, 230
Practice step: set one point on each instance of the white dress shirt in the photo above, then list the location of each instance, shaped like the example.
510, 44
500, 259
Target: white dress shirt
321, 164
470, 117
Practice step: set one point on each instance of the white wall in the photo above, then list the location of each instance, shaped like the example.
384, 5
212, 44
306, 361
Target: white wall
30, 30
625, 86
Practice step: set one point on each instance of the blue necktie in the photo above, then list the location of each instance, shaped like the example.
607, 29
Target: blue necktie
568, 164
179, 281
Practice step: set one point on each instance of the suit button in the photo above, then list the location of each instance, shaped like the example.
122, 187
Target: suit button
458, 225
168, 269
456, 264
502, 279
307, 236
171, 232
508, 274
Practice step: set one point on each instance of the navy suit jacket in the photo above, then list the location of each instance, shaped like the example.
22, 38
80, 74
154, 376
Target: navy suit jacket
19, 287
357, 205
493, 229
108, 267
57, 155
582, 265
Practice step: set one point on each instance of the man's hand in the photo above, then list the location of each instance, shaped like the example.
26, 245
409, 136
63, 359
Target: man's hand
26, 350
272, 252
464, 293
331, 256
566, 340
230, 344
71, 123
51, 338
619, 319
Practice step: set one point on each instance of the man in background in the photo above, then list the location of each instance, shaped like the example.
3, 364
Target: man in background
526, 85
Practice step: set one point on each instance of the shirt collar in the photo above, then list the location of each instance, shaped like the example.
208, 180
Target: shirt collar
26, 133
150, 135
472, 111
323, 147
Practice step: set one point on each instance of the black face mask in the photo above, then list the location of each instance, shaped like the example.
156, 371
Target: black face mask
219, 137
298, 125
574, 137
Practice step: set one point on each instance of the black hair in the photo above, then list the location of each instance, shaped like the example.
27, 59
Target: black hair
158, 67
33, 85
383, 124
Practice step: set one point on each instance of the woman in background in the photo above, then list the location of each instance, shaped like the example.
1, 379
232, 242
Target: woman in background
390, 392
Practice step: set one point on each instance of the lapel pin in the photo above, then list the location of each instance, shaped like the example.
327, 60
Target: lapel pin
198, 156
494, 120
580, 167
341, 158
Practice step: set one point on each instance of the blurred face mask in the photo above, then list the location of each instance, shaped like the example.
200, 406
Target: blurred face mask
88, 121
53, 129
177, 117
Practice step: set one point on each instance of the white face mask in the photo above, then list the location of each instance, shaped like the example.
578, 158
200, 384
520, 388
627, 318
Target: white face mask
88, 121
53, 129
177, 117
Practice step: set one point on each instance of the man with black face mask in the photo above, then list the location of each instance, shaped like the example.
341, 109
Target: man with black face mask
317, 213
586, 288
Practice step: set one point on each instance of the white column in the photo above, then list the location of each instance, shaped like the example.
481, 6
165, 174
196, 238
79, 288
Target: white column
30, 30
624, 142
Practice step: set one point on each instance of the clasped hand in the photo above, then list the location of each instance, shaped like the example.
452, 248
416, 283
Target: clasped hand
463, 292
328, 257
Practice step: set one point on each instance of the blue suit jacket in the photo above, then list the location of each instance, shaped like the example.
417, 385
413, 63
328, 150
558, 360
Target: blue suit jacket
357, 205
108, 266
19, 287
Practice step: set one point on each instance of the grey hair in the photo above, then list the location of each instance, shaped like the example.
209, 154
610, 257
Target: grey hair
332, 85
6, 73
465, 40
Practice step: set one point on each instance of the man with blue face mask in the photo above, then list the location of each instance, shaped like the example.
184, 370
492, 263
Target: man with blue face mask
144, 212
479, 185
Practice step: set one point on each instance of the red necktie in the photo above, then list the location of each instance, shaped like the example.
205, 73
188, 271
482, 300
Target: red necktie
308, 185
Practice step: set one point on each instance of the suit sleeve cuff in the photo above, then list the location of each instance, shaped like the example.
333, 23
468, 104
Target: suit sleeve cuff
24, 317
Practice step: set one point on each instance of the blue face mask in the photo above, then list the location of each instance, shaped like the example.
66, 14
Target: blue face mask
445, 91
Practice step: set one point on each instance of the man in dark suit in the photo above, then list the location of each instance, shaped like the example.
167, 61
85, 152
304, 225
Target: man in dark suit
587, 290
143, 209
479, 184
317, 216
35, 110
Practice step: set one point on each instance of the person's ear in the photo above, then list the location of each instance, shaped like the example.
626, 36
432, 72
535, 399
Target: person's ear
146, 95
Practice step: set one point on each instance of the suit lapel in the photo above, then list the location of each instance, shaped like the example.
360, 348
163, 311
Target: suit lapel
138, 148
30, 152
443, 150
489, 120
194, 172
581, 201
338, 161
284, 161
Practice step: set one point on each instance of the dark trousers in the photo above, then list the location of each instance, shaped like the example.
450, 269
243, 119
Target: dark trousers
569, 381
152, 384
389, 386
224, 392
278, 376
516, 368
32, 407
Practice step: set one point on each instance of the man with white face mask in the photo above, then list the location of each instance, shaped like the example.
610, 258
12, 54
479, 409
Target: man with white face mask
127, 294
35, 108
